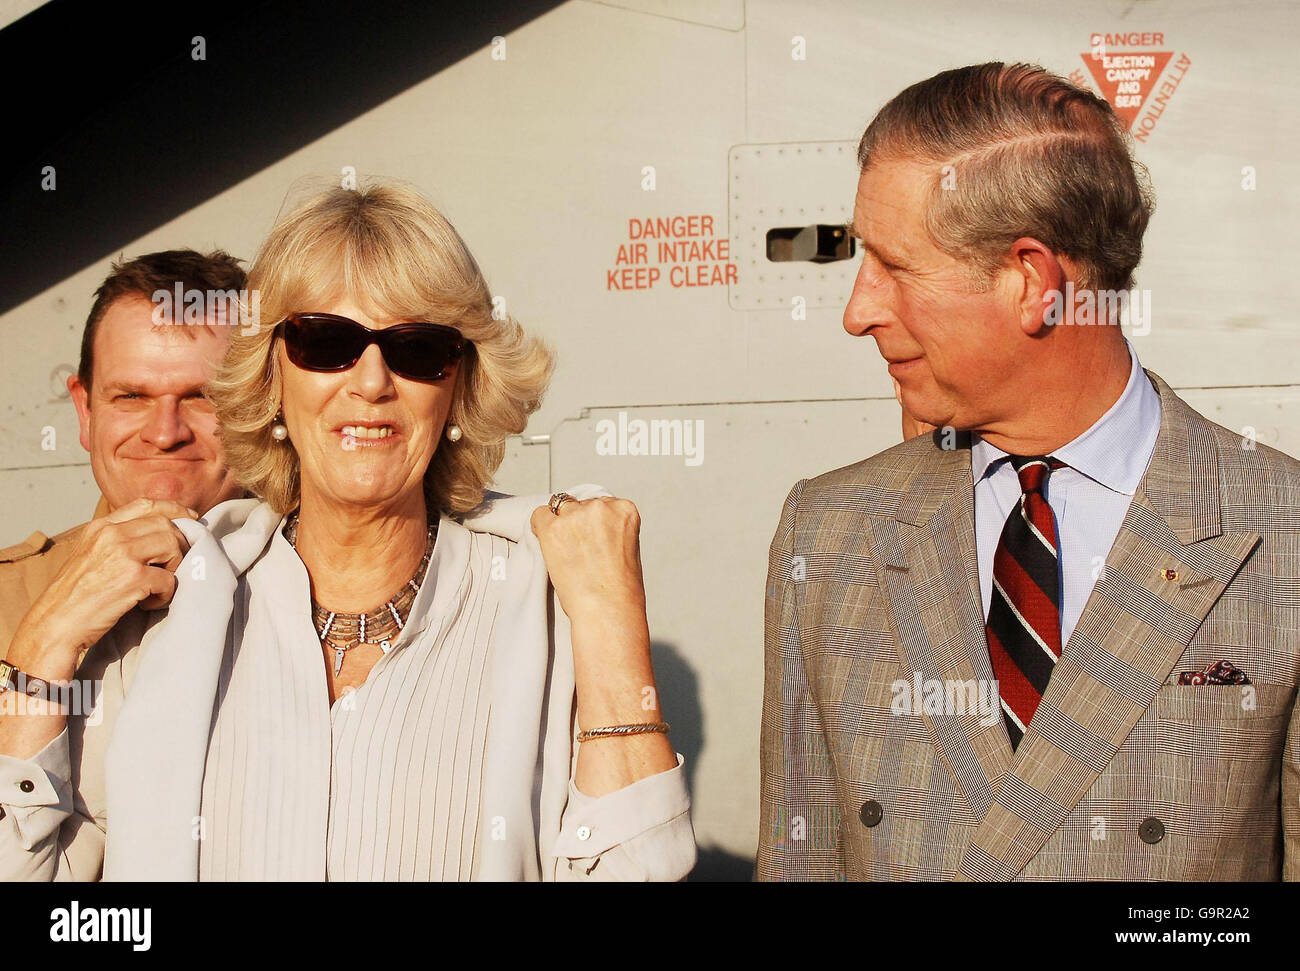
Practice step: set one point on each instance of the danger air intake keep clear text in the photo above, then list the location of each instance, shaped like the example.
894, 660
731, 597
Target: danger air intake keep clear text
673, 251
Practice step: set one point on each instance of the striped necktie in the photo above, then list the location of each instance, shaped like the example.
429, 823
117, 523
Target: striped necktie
1024, 625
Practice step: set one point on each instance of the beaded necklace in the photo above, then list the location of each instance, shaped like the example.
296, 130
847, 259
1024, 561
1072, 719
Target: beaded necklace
381, 625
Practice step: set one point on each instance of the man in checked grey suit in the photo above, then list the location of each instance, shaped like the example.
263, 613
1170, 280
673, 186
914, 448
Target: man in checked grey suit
1129, 569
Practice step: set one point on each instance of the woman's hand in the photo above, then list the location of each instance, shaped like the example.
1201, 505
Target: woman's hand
593, 554
912, 427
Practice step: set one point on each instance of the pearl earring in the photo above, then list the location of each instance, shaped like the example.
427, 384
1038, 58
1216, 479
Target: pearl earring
279, 431
454, 433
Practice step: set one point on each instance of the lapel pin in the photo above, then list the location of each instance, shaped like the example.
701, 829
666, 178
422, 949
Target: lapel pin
1171, 576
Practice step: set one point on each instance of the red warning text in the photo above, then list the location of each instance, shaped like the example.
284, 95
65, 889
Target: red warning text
679, 251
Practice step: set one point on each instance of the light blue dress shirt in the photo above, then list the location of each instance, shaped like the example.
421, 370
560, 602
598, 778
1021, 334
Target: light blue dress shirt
1089, 499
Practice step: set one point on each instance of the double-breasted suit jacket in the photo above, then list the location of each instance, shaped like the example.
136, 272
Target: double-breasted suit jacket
1124, 773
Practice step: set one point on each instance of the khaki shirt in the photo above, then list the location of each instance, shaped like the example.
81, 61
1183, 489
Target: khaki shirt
27, 568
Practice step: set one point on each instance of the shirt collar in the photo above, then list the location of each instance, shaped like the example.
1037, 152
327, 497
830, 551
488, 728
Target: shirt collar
1115, 450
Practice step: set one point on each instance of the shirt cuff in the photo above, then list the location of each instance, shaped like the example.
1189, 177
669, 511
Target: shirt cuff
594, 824
36, 793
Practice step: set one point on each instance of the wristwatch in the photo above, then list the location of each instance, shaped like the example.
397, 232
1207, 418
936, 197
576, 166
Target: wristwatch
11, 679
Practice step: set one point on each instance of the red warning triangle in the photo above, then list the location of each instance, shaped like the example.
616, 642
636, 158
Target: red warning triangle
1127, 77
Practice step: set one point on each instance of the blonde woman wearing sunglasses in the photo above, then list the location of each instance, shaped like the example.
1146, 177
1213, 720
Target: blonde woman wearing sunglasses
377, 670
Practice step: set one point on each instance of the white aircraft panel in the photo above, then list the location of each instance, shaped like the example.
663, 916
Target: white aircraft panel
781, 185
706, 529
67, 492
1215, 251
727, 14
603, 114
1267, 416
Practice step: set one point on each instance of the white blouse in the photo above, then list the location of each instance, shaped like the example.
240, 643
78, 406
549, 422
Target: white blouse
382, 785
414, 776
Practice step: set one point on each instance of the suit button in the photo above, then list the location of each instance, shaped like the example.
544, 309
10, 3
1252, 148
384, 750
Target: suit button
2, 812
870, 813
26, 785
1151, 830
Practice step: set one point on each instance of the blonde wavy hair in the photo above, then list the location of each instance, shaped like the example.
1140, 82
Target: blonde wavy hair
389, 249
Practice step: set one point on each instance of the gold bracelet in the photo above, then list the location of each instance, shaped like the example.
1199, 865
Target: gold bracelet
617, 731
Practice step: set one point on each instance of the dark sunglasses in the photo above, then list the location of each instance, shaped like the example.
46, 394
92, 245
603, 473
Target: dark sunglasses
328, 342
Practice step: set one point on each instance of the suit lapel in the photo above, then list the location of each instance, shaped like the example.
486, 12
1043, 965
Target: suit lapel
931, 579
1168, 565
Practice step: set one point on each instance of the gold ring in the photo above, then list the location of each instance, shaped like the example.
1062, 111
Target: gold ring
558, 500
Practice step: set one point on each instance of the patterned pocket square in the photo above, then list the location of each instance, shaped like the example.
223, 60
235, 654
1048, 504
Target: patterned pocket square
1220, 672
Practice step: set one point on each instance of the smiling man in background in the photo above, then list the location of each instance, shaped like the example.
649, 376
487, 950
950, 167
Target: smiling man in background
153, 447
1122, 573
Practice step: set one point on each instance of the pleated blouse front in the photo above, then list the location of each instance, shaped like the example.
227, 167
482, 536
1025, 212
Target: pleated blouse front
385, 784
